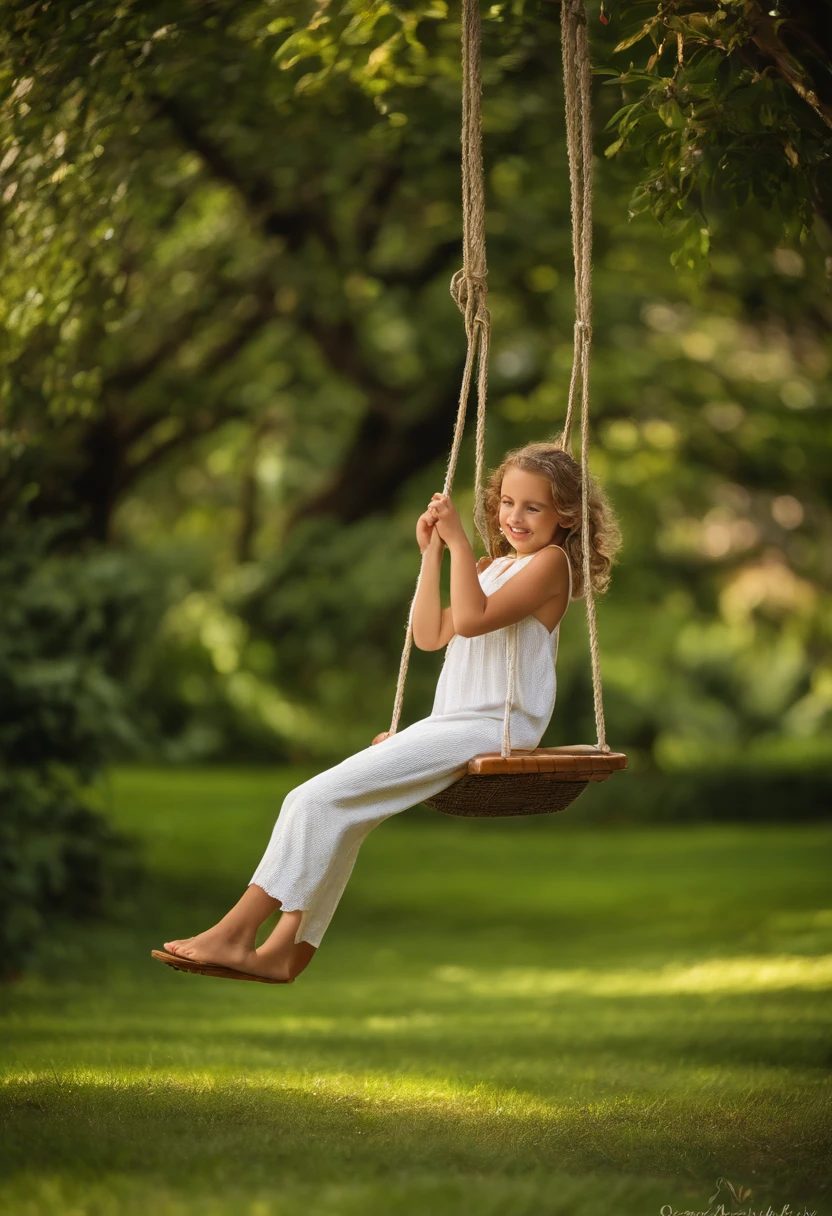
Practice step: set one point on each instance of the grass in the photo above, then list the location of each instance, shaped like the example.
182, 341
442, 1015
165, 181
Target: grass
527, 1019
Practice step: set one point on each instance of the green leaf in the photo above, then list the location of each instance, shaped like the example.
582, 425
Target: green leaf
632, 39
671, 115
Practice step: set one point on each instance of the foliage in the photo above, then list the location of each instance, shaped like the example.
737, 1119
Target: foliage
66, 630
731, 102
228, 344
59, 858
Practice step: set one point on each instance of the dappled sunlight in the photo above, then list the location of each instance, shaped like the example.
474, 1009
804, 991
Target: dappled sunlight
203, 624
230, 368
769, 583
194, 1130
383, 1065
408, 1090
762, 973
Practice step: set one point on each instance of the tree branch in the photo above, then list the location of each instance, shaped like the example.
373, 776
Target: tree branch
221, 354
384, 452
256, 191
765, 38
382, 456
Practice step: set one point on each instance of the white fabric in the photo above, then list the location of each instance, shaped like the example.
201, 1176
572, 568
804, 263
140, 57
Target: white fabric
323, 822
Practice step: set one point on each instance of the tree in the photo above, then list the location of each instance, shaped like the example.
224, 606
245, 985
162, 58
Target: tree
730, 103
228, 333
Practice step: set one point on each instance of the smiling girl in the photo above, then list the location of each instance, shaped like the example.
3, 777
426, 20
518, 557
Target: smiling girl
533, 516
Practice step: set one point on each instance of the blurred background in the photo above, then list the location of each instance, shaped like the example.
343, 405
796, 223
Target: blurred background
230, 367
229, 370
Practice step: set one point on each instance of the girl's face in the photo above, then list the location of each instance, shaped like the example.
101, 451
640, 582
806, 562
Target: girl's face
527, 514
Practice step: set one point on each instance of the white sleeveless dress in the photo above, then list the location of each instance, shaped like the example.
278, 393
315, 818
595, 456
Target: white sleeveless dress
323, 822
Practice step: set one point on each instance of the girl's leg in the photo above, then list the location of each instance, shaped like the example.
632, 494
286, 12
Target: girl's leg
318, 834
323, 823
280, 954
231, 941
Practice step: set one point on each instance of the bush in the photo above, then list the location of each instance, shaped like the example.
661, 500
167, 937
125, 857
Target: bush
67, 628
58, 857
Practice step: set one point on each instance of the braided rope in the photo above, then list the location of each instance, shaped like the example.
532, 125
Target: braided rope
578, 94
511, 665
469, 289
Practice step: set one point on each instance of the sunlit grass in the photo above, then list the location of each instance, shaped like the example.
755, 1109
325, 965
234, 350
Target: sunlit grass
518, 1019
727, 975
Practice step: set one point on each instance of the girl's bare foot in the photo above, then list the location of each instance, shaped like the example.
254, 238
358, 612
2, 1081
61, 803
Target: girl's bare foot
218, 947
231, 942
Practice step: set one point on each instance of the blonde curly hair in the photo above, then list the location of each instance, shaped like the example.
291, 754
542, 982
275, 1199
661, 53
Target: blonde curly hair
564, 475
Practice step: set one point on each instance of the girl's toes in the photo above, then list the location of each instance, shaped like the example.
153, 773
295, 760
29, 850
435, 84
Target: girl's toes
171, 946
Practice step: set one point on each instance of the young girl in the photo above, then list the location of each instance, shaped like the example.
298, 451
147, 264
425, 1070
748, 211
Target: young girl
533, 511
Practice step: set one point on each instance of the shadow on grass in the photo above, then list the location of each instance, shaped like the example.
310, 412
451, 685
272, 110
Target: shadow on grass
501, 1041
248, 1132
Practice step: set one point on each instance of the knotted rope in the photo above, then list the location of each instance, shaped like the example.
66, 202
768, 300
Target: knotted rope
578, 93
469, 289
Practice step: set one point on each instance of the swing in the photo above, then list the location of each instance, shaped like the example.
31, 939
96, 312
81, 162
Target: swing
546, 779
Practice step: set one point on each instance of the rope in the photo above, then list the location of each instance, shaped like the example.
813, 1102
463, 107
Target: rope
469, 290
511, 664
578, 94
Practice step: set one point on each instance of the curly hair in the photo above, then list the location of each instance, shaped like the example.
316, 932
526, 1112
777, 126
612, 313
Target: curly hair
564, 475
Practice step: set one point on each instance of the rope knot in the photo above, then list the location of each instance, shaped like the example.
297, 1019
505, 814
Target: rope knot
583, 327
465, 286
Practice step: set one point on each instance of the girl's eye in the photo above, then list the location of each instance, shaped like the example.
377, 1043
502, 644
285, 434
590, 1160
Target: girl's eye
507, 503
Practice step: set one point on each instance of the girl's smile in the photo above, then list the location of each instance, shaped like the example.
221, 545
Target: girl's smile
528, 518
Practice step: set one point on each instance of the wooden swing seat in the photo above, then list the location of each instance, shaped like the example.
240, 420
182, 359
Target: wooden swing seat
537, 782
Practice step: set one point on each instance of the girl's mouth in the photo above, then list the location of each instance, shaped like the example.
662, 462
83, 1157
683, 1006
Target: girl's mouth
519, 535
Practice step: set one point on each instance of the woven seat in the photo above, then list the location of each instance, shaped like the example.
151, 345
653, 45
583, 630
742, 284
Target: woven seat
538, 782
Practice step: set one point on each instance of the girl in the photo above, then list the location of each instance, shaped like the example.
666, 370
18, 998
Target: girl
533, 513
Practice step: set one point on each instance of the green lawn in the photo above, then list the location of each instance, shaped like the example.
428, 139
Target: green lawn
504, 1019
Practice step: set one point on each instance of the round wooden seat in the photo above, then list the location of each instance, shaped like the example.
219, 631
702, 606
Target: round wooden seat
537, 782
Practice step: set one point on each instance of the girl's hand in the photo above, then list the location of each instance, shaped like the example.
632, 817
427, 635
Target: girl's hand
446, 519
426, 533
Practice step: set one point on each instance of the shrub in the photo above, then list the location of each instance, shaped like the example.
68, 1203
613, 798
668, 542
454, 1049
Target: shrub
67, 626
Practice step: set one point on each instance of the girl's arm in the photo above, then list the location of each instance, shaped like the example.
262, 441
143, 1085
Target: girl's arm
433, 626
545, 577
